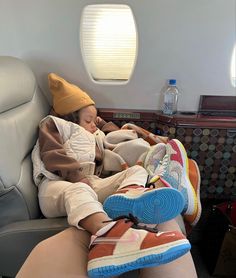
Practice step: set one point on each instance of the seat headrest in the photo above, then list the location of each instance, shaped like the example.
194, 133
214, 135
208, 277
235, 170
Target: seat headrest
17, 83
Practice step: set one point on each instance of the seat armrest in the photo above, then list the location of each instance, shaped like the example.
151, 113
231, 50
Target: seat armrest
19, 238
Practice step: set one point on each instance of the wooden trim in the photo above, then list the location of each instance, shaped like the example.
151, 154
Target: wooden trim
192, 120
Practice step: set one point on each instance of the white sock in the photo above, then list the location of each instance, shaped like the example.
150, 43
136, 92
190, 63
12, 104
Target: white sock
102, 231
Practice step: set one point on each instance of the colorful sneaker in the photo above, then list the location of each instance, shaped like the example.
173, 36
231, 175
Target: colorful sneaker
173, 171
129, 246
151, 206
195, 178
153, 157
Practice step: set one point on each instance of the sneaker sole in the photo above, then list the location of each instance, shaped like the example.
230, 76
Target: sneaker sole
193, 221
192, 206
152, 207
117, 264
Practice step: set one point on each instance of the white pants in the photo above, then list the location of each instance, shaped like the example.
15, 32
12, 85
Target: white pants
79, 200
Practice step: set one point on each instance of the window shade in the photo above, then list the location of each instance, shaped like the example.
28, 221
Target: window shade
233, 67
109, 43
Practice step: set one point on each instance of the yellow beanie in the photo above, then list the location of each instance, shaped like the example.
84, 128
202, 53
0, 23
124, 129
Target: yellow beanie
66, 97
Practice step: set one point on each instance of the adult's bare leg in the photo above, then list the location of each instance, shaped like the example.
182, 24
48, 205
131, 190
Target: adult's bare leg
62, 255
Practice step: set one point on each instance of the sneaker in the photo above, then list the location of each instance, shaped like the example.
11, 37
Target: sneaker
129, 246
153, 157
151, 206
195, 178
174, 171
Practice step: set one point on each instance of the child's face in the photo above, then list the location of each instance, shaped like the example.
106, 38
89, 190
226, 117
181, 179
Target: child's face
87, 118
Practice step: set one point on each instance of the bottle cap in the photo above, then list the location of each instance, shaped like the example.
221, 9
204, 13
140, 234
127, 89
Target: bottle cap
172, 82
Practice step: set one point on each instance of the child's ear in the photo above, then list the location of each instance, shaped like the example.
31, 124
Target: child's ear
98, 120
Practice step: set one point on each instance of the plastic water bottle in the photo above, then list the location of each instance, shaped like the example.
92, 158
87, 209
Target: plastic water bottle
170, 98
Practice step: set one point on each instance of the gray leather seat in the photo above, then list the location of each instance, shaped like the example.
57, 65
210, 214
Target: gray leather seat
22, 226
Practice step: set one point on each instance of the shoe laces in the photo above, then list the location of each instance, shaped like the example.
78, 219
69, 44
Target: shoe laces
135, 221
150, 185
162, 167
159, 172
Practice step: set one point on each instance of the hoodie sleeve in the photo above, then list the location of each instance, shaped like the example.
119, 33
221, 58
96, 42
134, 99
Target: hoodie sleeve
54, 155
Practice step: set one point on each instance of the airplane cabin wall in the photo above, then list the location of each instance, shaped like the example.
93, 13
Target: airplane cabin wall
189, 40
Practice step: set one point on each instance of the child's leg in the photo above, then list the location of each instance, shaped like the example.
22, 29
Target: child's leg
62, 255
109, 244
124, 193
105, 187
78, 201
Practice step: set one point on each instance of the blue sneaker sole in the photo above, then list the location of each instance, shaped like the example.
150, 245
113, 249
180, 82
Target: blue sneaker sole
146, 261
152, 207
